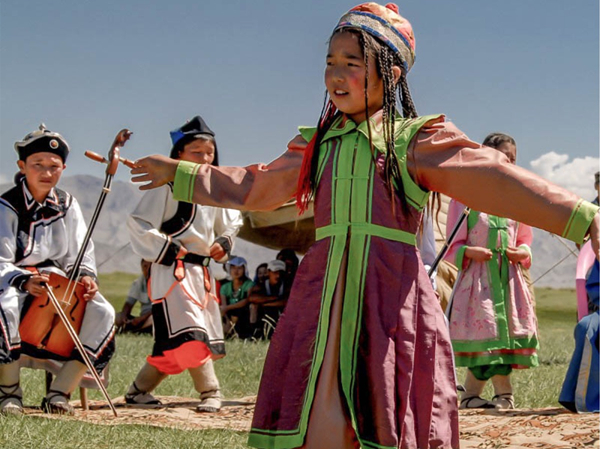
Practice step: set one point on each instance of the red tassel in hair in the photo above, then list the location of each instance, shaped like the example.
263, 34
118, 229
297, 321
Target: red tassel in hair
304, 192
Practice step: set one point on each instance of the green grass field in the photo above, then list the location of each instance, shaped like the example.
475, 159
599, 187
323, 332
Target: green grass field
239, 374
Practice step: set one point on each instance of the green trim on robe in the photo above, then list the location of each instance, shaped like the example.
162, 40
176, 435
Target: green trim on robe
499, 288
351, 228
460, 257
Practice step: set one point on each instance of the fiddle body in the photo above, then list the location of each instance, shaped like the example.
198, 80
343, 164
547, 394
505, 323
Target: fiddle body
41, 326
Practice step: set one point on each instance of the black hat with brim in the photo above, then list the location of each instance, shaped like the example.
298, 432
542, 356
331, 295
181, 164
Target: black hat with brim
192, 129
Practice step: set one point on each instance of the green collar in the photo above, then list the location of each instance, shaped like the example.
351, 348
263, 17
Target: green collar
344, 125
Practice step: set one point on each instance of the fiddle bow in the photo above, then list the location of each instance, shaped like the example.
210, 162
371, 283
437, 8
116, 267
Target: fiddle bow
449, 239
112, 164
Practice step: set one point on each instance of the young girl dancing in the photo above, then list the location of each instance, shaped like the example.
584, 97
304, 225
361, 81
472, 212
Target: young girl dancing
362, 355
180, 239
493, 326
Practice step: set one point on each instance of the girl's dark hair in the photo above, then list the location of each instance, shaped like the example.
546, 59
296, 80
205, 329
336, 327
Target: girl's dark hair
262, 265
385, 60
181, 143
494, 140
288, 254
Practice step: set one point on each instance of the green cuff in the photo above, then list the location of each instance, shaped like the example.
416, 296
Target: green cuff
460, 257
185, 176
580, 220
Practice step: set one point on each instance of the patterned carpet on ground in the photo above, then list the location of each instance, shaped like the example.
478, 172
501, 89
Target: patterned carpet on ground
547, 428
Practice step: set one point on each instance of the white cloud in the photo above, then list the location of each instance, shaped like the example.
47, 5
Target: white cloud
4, 179
576, 175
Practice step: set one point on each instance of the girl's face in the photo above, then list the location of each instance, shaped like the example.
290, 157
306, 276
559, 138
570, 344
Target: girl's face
42, 171
261, 273
509, 150
345, 77
199, 151
236, 271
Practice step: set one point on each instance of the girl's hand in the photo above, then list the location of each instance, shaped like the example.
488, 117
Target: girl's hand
516, 255
91, 288
158, 170
34, 284
217, 252
478, 253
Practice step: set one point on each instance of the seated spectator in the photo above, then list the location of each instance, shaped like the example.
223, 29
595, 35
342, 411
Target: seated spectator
124, 320
268, 300
235, 306
581, 388
291, 262
261, 274
288, 256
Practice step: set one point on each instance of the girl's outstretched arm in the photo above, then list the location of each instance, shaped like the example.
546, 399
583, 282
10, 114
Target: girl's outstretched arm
441, 158
255, 187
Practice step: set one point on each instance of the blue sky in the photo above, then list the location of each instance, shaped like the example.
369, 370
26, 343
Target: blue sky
254, 70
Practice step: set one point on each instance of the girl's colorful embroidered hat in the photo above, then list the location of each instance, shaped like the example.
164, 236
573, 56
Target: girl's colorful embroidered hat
193, 128
42, 140
386, 24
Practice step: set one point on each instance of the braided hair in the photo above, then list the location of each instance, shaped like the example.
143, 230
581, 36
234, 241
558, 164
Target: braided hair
385, 60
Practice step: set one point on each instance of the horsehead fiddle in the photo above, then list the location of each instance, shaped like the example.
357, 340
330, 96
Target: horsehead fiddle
111, 169
73, 287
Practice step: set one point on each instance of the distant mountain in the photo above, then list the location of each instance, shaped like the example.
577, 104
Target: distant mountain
113, 252
554, 260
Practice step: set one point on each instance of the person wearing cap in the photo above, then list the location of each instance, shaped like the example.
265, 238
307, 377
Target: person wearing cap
180, 239
235, 306
41, 231
268, 300
362, 356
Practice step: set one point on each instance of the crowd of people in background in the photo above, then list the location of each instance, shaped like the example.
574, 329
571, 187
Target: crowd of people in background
251, 308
